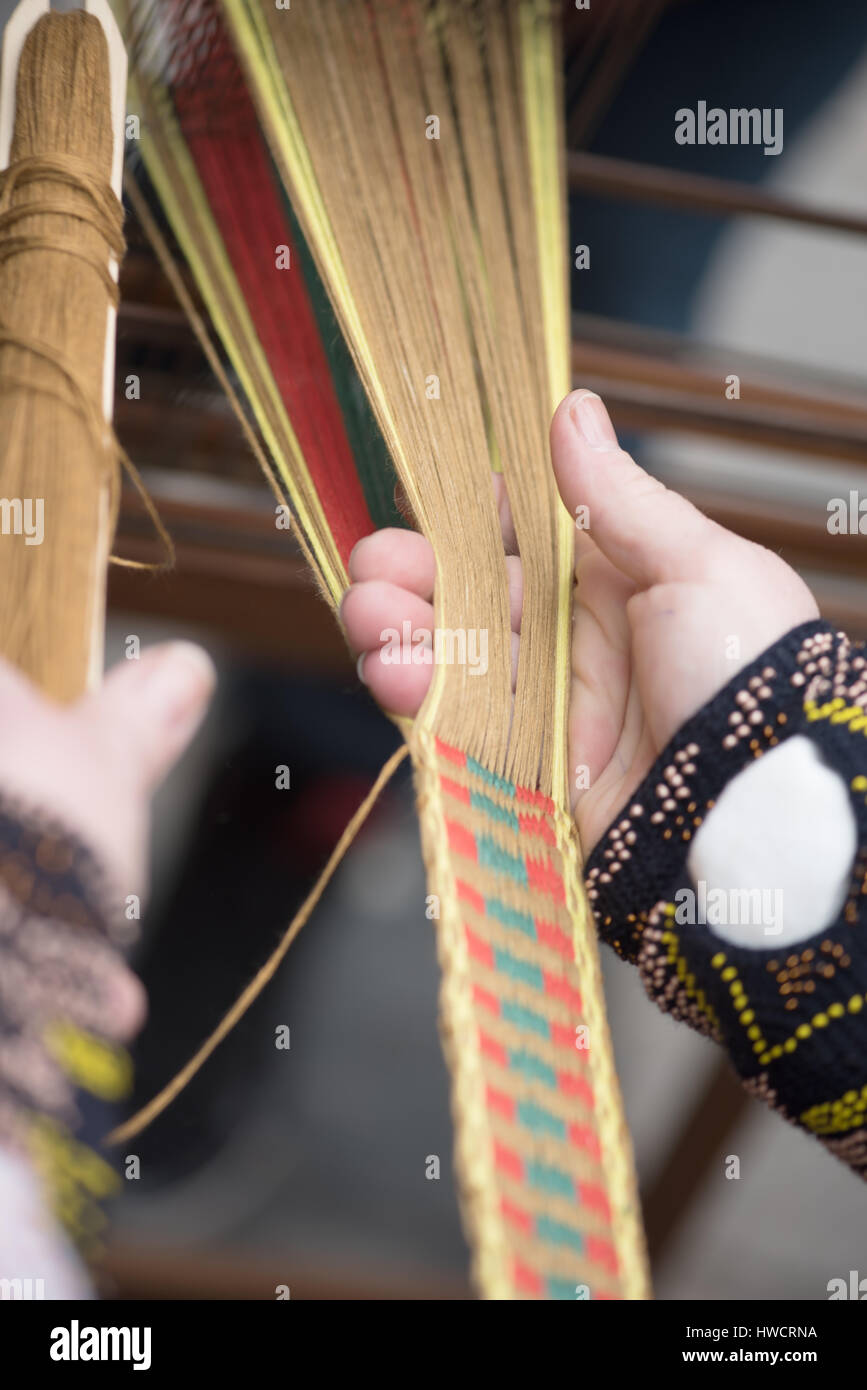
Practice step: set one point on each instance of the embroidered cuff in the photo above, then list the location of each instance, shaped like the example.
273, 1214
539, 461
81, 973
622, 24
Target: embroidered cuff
64, 1002
791, 1018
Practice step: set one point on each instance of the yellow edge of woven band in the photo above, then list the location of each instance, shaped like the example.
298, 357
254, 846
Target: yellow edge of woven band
542, 85
307, 508
626, 1221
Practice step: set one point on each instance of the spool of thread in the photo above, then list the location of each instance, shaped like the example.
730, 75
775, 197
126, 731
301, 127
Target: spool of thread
60, 224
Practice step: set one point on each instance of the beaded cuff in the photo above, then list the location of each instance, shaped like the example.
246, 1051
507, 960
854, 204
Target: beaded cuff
792, 1021
63, 987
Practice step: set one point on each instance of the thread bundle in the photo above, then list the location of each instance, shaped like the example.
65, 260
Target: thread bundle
59, 224
420, 144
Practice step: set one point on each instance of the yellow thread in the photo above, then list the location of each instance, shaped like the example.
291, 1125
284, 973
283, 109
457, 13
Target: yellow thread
397, 275
613, 1134
174, 176
160, 1102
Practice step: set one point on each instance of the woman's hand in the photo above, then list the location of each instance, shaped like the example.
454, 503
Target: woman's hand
668, 607
94, 764
91, 766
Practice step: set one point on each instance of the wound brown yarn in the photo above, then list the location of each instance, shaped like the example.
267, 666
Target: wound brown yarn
60, 223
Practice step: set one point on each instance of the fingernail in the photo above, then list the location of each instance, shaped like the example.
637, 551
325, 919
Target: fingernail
592, 419
359, 666
181, 683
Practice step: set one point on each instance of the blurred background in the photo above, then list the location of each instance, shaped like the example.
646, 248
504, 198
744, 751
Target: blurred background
306, 1166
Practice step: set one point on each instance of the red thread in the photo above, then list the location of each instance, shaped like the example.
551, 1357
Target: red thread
532, 825
455, 789
503, 1104
594, 1197
535, 799
491, 1048
470, 895
479, 949
601, 1252
575, 1086
453, 755
562, 1035
235, 171
508, 1162
485, 1000
583, 1137
545, 879
461, 841
554, 937
517, 1217
559, 988
527, 1280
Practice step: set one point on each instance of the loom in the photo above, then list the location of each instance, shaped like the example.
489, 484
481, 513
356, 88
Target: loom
395, 169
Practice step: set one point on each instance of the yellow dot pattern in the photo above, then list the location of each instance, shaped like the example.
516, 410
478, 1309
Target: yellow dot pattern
740, 1002
671, 942
837, 1116
838, 712
746, 1016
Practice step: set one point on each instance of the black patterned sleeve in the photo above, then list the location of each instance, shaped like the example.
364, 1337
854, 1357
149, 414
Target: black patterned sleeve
793, 1020
65, 996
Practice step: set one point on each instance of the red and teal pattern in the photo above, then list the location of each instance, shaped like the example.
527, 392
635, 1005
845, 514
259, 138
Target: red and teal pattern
535, 1047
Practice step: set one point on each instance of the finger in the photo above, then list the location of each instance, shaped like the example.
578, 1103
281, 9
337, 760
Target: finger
406, 560
403, 558
17, 694
400, 679
515, 654
129, 1007
374, 611
515, 576
651, 534
504, 512
601, 662
399, 688
151, 708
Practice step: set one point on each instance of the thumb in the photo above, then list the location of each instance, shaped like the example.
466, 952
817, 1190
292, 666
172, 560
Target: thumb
152, 707
650, 534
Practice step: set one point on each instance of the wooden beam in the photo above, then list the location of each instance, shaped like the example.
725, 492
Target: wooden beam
648, 393
626, 181
152, 1272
